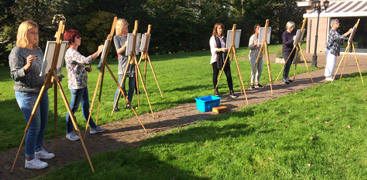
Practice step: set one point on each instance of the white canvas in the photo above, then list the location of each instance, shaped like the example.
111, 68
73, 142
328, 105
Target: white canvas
104, 52
237, 38
298, 36
130, 39
49, 54
262, 35
144, 41
352, 35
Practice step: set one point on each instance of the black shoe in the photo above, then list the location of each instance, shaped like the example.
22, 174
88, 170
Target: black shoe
137, 92
252, 87
285, 81
116, 110
289, 80
216, 93
232, 94
258, 86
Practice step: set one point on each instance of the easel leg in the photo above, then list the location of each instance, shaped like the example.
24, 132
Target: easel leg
269, 68
123, 94
55, 113
345, 62
221, 72
294, 47
341, 60
304, 60
240, 76
145, 89
295, 66
93, 100
119, 93
39, 98
73, 120
155, 76
98, 106
359, 69
145, 70
137, 83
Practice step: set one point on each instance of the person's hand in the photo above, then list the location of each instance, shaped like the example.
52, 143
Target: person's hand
350, 30
294, 38
30, 59
100, 49
88, 69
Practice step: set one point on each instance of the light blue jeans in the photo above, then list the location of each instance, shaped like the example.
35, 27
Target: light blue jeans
77, 96
36, 131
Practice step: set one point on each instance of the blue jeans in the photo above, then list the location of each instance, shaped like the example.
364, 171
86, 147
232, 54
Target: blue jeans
77, 96
36, 131
289, 63
130, 92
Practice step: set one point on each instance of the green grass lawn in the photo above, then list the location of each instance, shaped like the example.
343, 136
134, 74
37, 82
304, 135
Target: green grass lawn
182, 77
319, 133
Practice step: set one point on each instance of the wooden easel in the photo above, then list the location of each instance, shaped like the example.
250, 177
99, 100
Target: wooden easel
350, 43
232, 51
100, 81
52, 77
145, 56
264, 47
297, 46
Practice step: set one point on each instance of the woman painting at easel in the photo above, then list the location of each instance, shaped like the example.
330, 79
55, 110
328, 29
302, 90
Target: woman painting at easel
219, 52
288, 37
333, 48
120, 41
77, 81
25, 62
254, 47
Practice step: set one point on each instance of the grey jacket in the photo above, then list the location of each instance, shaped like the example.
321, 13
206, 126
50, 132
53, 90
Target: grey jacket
119, 41
31, 81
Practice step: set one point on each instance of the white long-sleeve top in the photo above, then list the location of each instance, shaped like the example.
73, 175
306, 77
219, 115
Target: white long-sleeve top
213, 48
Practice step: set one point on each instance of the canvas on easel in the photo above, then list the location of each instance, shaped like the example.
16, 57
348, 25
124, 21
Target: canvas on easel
264, 40
144, 44
129, 45
48, 56
345, 55
52, 79
232, 52
104, 53
262, 33
99, 84
229, 39
298, 48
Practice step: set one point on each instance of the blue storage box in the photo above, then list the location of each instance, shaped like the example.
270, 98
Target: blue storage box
206, 103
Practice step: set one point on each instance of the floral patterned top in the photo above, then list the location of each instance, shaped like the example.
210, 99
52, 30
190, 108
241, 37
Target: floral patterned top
77, 75
333, 44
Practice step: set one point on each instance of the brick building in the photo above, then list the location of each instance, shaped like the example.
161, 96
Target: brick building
347, 11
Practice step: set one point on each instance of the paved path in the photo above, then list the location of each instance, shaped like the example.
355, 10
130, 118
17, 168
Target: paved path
128, 132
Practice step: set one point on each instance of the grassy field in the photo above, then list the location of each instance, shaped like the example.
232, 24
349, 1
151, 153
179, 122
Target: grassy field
318, 133
182, 77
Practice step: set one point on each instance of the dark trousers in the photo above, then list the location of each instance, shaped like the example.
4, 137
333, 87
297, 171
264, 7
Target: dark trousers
227, 71
288, 64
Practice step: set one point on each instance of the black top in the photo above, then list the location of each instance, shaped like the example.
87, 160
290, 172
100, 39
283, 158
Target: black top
288, 41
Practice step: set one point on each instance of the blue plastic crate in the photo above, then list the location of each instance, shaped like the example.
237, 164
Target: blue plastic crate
206, 103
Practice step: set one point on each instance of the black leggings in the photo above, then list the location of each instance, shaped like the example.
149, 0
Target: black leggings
227, 71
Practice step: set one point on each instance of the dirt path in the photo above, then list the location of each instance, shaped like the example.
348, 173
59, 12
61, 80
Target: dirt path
128, 132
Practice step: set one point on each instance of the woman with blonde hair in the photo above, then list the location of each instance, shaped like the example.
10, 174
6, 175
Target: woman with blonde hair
25, 62
219, 52
120, 41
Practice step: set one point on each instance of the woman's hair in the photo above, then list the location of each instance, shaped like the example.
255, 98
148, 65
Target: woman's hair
289, 24
256, 25
22, 38
119, 24
70, 35
215, 33
333, 21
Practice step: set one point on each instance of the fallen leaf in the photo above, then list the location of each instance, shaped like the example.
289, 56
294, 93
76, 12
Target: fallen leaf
348, 126
311, 138
269, 158
325, 122
253, 144
364, 100
232, 154
296, 175
308, 165
317, 118
348, 156
305, 111
278, 121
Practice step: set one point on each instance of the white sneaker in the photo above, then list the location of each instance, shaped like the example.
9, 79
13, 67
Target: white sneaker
35, 164
330, 79
43, 154
96, 130
72, 136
